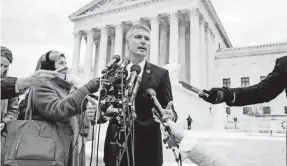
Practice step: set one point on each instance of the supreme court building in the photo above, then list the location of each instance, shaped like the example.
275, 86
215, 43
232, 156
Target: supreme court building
187, 38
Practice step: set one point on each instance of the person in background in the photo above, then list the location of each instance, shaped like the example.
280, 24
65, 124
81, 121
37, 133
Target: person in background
189, 121
9, 107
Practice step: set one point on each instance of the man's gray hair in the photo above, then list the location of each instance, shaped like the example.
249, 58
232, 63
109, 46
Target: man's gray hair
136, 26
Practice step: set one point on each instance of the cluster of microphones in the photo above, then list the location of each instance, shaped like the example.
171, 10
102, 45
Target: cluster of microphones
134, 80
116, 77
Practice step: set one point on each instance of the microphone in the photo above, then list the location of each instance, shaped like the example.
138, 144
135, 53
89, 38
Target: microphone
134, 92
135, 70
115, 59
193, 89
159, 113
151, 93
125, 62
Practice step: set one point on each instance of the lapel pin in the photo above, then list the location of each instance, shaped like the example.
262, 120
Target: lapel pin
148, 71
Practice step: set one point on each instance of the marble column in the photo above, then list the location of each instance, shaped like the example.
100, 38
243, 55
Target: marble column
96, 60
195, 71
126, 50
202, 54
187, 53
163, 45
173, 42
103, 49
89, 56
109, 49
207, 54
182, 51
76, 53
154, 45
119, 40
213, 51
112, 46
211, 58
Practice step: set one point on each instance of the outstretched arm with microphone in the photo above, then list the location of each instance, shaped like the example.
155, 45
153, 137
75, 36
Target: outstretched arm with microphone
264, 91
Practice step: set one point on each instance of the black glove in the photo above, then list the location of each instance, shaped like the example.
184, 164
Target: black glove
218, 95
93, 85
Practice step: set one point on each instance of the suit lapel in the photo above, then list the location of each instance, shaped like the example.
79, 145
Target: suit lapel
146, 73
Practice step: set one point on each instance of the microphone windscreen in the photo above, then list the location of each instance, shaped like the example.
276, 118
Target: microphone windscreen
151, 92
117, 58
136, 68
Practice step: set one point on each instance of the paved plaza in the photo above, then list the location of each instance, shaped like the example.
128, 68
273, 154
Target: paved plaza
256, 149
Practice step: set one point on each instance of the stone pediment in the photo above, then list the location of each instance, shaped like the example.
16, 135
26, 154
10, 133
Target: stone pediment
98, 6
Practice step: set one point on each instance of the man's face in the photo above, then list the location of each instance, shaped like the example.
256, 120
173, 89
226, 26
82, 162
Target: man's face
139, 42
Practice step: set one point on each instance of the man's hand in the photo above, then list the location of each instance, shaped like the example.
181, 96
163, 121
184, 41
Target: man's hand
38, 77
218, 95
92, 108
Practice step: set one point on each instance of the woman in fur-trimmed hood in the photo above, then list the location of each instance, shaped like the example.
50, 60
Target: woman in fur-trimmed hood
53, 103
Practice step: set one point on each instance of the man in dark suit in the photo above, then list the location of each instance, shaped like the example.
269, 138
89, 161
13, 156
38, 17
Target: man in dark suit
264, 91
10, 86
148, 140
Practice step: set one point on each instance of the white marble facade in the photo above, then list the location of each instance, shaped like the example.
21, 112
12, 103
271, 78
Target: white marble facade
183, 32
187, 38
252, 62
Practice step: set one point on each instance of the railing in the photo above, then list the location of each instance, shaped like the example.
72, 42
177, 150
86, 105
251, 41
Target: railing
271, 124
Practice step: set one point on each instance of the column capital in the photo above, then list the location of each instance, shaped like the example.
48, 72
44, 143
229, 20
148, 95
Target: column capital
202, 23
78, 34
194, 13
118, 26
183, 22
154, 19
90, 32
211, 33
85, 38
163, 23
97, 41
136, 22
206, 27
104, 28
173, 15
209, 30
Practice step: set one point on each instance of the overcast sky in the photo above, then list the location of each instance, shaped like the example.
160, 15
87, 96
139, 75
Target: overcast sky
32, 27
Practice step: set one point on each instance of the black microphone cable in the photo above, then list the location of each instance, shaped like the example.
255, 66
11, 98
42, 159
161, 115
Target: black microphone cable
81, 128
93, 132
124, 117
